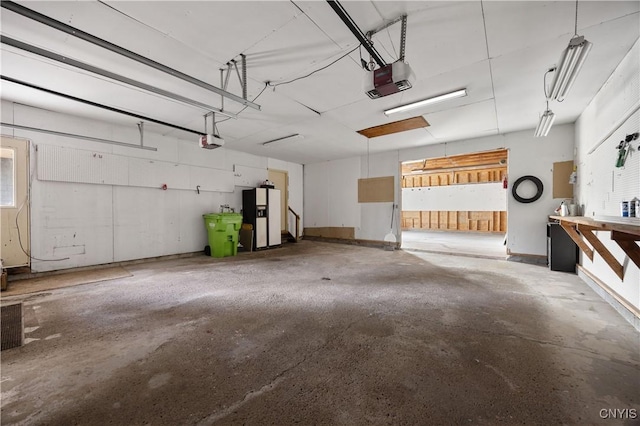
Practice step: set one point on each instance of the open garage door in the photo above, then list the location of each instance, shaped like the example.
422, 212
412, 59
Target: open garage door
462, 198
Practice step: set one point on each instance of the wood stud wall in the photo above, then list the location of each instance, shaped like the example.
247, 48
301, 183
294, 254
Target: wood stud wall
461, 169
454, 177
495, 221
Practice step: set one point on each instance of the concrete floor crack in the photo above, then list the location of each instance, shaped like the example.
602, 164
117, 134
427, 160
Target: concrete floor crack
211, 419
530, 339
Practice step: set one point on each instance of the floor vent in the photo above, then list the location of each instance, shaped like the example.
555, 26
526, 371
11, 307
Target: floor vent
12, 328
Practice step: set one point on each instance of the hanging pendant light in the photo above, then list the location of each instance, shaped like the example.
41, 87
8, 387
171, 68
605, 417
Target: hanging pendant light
571, 62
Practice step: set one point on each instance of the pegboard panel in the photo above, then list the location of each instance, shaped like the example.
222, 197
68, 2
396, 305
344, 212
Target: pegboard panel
153, 174
80, 166
211, 179
607, 185
249, 176
619, 94
62, 164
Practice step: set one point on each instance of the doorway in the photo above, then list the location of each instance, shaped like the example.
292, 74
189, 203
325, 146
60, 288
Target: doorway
456, 204
280, 179
14, 202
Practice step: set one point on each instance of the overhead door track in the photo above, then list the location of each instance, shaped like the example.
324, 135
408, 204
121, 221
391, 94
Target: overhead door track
61, 26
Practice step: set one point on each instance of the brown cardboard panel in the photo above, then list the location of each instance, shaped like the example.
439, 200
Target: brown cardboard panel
376, 190
561, 186
395, 127
345, 233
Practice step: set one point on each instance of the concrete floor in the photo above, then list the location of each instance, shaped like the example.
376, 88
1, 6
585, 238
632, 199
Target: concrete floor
477, 244
319, 333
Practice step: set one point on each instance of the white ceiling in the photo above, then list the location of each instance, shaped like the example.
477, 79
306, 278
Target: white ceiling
498, 50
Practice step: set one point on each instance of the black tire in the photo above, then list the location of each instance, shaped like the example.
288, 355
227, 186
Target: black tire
207, 250
535, 180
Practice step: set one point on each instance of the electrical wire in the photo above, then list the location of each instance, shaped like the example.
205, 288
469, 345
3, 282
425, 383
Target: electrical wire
27, 201
392, 45
315, 71
369, 66
576, 27
269, 84
544, 82
20, 237
238, 113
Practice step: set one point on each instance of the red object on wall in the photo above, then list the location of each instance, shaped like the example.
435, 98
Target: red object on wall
505, 183
164, 186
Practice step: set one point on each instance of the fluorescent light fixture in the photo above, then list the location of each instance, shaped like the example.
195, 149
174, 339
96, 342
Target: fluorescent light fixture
546, 121
429, 101
294, 136
571, 61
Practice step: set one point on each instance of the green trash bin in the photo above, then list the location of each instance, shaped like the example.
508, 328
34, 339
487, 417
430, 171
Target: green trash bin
222, 229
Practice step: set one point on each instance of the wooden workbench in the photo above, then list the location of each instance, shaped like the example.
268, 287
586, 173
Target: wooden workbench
624, 231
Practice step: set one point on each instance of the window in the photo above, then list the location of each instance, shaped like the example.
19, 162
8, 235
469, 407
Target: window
7, 177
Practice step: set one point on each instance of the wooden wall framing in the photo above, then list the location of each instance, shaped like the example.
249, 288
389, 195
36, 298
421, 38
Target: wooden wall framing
479, 159
481, 221
481, 167
454, 177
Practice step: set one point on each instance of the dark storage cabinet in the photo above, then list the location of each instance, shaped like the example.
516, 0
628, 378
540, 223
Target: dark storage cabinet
562, 252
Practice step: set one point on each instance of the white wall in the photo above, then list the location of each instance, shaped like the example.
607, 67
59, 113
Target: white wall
489, 196
527, 156
93, 224
330, 188
601, 186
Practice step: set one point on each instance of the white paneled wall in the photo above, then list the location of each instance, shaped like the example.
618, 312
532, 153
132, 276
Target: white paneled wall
375, 218
81, 166
94, 203
62, 164
71, 220
472, 197
331, 193
601, 186
527, 156
249, 176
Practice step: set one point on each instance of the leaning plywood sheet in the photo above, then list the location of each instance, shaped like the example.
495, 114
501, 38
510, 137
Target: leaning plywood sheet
376, 190
343, 233
561, 186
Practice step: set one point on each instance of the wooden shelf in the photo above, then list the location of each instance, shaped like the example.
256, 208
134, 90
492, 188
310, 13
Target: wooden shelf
624, 231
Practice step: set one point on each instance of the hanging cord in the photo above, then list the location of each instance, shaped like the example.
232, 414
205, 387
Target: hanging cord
544, 84
315, 71
20, 238
27, 201
392, 45
575, 33
364, 64
274, 85
368, 159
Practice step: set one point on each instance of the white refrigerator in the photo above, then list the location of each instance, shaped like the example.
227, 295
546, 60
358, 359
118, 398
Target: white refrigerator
261, 208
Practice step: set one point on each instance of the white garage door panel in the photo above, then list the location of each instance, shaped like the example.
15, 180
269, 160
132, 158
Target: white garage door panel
474, 197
